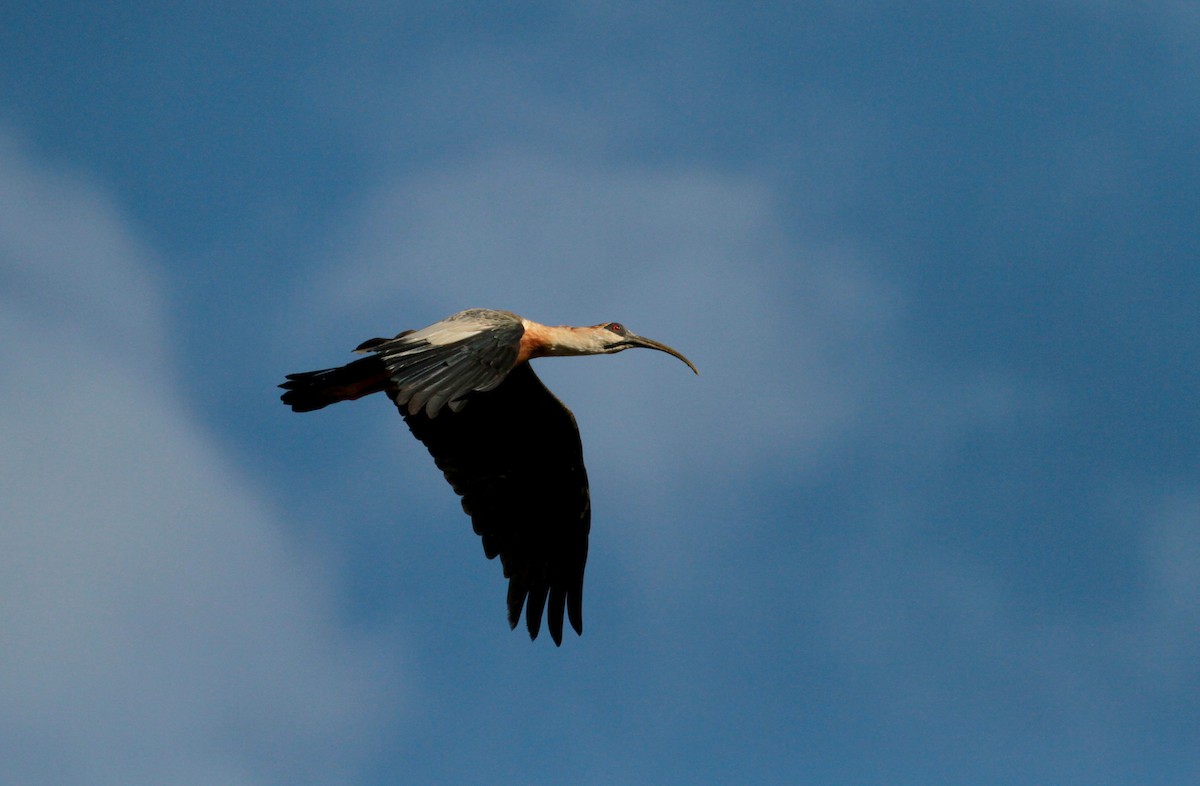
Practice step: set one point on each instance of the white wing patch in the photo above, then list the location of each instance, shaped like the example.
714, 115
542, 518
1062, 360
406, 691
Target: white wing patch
441, 364
447, 332
463, 325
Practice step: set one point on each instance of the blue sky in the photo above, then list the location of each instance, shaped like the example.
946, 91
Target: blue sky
929, 515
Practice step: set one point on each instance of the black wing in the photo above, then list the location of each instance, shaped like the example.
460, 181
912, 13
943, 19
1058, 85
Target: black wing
513, 454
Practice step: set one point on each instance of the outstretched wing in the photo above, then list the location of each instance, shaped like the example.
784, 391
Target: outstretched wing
441, 364
514, 455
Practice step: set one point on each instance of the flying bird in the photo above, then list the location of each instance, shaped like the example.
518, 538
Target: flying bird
505, 443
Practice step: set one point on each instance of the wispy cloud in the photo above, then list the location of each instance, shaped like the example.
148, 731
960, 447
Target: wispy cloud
157, 624
693, 257
799, 344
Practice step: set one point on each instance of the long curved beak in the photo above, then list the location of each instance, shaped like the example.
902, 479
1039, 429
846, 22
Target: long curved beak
637, 341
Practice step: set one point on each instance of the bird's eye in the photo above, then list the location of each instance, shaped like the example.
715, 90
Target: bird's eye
617, 328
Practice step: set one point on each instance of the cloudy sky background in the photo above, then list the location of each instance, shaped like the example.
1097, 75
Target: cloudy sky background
930, 514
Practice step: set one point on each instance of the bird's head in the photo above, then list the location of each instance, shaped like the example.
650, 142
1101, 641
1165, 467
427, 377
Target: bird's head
613, 337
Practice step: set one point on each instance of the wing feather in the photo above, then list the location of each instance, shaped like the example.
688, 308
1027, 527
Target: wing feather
514, 456
441, 364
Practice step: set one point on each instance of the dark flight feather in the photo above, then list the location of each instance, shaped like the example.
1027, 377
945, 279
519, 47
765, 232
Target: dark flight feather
515, 457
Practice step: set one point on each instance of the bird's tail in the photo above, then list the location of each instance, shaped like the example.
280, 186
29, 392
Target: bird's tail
311, 390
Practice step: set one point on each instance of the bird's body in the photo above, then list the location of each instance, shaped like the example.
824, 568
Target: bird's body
507, 446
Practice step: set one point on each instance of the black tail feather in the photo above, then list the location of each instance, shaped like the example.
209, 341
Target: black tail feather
312, 390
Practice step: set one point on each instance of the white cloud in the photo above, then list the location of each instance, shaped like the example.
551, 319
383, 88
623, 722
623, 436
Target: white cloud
796, 340
1164, 632
157, 626
694, 258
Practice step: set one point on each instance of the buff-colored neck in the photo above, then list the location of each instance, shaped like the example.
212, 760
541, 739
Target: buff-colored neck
558, 341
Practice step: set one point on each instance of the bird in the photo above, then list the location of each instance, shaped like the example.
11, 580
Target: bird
504, 442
